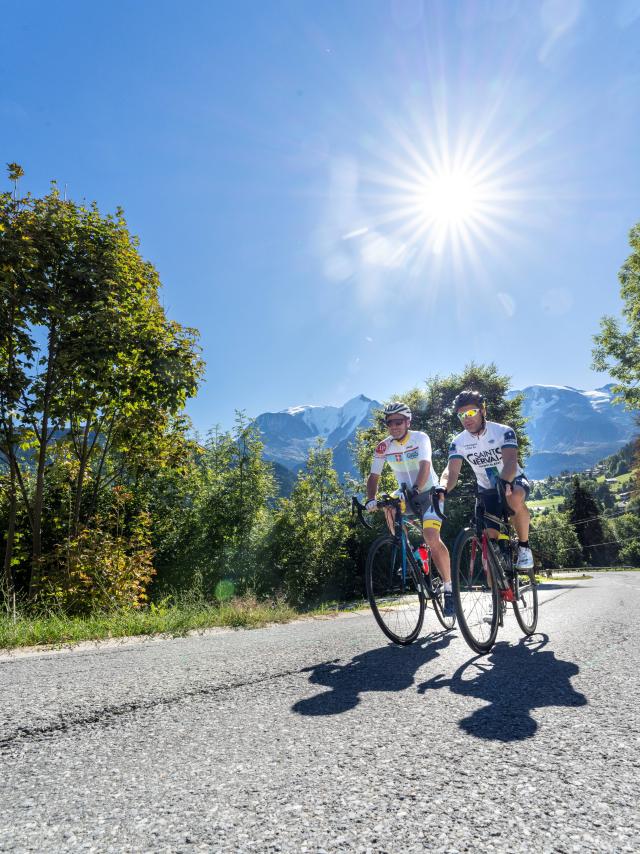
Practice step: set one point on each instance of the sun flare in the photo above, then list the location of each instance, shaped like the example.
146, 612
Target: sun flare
454, 199
449, 198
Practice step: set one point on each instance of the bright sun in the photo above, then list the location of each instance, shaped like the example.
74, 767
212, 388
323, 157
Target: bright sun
450, 198
443, 198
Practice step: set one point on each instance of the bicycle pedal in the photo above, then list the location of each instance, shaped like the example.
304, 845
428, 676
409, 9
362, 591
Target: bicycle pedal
507, 595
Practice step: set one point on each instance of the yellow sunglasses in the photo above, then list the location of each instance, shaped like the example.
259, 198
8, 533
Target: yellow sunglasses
470, 413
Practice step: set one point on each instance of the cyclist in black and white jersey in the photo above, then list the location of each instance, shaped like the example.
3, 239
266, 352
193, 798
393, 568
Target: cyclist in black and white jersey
408, 452
491, 450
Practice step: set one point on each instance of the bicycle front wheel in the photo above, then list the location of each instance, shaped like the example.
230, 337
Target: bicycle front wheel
396, 599
525, 603
475, 593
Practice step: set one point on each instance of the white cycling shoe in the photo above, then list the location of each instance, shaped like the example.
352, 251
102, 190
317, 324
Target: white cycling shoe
525, 558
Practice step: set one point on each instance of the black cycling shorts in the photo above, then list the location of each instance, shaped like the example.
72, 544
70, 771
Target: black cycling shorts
488, 498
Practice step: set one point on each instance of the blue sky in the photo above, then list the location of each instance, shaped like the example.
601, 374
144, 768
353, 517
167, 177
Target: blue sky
347, 197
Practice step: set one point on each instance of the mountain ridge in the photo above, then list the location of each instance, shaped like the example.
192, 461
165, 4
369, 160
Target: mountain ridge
569, 429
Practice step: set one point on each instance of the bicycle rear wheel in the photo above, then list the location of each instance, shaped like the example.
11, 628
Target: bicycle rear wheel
396, 599
475, 596
437, 600
525, 603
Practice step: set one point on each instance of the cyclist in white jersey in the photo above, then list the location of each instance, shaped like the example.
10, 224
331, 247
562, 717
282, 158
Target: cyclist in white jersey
408, 452
491, 450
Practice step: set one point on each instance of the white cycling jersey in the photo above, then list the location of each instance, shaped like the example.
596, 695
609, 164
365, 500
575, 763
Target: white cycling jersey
484, 452
404, 457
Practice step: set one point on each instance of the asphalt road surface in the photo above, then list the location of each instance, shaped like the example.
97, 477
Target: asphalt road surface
321, 736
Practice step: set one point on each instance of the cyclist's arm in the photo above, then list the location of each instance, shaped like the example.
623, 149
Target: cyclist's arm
509, 463
423, 475
372, 486
450, 475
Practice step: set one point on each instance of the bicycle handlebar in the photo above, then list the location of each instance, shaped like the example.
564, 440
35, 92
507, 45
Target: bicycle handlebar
385, 500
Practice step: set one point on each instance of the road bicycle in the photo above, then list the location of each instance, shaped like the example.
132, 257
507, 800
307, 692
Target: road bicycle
485, 578
400, 578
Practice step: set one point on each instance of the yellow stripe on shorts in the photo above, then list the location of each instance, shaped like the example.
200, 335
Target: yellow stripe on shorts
432, 523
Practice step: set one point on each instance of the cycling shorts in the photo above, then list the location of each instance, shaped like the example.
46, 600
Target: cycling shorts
488, 498
430, 518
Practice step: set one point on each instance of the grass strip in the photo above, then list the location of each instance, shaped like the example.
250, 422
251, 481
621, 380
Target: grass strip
176, 620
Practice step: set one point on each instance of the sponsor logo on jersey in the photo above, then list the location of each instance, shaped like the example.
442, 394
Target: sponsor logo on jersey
491, 441
398, 458
382, 447
509, 436
485, 458
411, 455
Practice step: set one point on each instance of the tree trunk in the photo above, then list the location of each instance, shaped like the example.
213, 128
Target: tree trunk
83, 456
38, 501
7, 574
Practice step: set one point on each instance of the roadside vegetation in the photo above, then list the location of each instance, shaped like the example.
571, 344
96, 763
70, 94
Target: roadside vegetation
117, 520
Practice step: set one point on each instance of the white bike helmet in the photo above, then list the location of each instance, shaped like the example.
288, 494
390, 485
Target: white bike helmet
397, 408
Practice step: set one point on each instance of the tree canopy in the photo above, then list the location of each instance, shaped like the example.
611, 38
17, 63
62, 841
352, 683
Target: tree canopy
617, 346
88, 358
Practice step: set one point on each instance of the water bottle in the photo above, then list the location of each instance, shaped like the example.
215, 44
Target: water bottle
420, 554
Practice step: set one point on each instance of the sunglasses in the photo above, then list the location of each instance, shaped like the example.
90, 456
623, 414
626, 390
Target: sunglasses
395, 422
470, 413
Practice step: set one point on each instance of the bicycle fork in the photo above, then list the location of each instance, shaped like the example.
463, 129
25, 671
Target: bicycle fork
505, 593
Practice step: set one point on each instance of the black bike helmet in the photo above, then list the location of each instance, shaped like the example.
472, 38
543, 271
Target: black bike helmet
469, 396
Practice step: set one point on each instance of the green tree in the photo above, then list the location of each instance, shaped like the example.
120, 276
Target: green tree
213, 514
617, 346
627, 534
88, 356
554, 541
584, 513
308, 541
604, 495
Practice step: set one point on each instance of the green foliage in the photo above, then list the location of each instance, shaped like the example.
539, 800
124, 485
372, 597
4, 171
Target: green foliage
212, 516
584, 512
91, 369
617, 347
103, 567
554, 541
627, 533
622, 461
307, 545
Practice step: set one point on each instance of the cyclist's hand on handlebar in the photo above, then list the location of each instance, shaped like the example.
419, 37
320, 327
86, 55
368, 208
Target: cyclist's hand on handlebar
507, 485
371, 505
440, 492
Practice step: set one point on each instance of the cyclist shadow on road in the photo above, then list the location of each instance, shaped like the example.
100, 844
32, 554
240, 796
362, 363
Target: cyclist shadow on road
513, 680
389, 668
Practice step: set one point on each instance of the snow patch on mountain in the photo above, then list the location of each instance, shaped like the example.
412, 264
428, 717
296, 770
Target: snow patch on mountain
289, 434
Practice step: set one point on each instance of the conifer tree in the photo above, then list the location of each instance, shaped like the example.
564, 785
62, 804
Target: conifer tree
584, 513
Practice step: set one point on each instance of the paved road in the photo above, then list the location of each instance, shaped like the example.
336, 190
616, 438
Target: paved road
319, 736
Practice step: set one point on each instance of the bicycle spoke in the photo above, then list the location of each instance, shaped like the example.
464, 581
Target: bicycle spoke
525, 605
396, 602
476, 598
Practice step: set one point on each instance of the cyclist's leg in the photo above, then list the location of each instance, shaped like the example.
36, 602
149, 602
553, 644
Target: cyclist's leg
390, 516
516, 499
431, 533
431, 525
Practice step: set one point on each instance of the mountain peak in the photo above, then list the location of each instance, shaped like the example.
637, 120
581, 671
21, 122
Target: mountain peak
288, 434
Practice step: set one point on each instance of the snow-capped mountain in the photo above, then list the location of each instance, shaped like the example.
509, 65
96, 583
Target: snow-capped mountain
572, 429
288, 435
